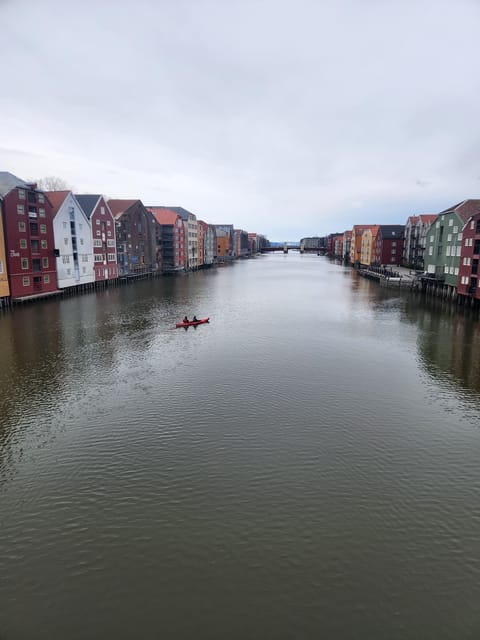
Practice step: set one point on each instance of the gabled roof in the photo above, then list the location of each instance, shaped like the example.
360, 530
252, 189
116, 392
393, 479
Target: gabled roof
427, 218
392, 231
57, 198
88, 202
413, 219
117, 207
464, 209
164, 215
182, 212
8, 182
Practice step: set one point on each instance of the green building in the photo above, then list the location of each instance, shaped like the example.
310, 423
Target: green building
443, 244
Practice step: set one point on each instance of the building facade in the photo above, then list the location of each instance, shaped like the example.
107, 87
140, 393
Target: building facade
173, 233
388, 246
4, 286
73, 241
469, 259
102, 225
414, 240
29, 240
136, 237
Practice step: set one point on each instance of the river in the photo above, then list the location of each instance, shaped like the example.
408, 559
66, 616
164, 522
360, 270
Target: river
304, 466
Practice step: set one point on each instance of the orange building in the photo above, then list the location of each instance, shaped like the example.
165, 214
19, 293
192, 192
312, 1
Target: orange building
356, 242
4, 287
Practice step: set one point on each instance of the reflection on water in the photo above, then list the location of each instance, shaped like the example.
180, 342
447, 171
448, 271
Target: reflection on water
306, 465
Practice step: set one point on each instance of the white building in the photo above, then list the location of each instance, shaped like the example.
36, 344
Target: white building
73, 241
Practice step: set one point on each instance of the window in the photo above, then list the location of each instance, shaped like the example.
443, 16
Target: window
69, 272
21, 194
108, 223
456, 271
102, 211
64, 224
450, 222
46, 278
21, 226
23, 243
460, 236
109, 233
430, 251
449, 237
459, 250
65, 241
99, 233
41, 212
43, 228
98, 257
111, 257
44, 244
84, 270
66, 259
110, 243
1, 266
466, 262
81, 240
26, 281
97, 242
97, 221
35, 246
432, 238
80, 225
41, 198
455, 229
476, 247
24, 264
448, 250
45, 263
20, 209
36, 265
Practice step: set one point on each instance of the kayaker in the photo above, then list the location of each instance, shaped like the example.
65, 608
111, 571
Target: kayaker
195, 319
185, 319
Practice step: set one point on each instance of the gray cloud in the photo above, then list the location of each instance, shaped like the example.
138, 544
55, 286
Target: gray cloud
284, 118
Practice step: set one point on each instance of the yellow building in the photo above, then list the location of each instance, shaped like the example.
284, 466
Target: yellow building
4, 288
356, 242
369, 237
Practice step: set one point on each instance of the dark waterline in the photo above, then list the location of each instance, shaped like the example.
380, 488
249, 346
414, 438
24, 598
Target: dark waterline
304, 466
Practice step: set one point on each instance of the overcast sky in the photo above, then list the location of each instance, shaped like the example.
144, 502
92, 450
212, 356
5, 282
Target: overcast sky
289, 118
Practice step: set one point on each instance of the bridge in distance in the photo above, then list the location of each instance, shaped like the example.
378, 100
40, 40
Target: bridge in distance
293, 246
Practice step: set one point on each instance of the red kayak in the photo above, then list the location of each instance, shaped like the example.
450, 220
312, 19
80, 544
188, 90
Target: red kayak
191, 324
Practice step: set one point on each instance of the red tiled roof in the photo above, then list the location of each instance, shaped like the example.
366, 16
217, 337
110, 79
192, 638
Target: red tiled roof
427, 218
164, 215
117, 207
57, 198
464, 209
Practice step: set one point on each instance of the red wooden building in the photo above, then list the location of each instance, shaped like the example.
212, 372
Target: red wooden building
388, 247
103, 232
29, 240
469, 259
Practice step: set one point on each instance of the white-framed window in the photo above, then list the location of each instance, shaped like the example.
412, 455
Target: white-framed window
66, 259
97, 222
20, 209
102, 211
99, 233
111, 257
450, 222
432, 238
448, 250
97, 242
46, 278
43, 228
109, 233
69, 272
108, 223
110, 243
65, 241
45, 263
41, 198
41, 212
24, 263
23, 243
459, 250
430, 251
21, 194
449, 237
98, 257
437, 224
460, 236
472, 224
456, 271
455, 229
26, 281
